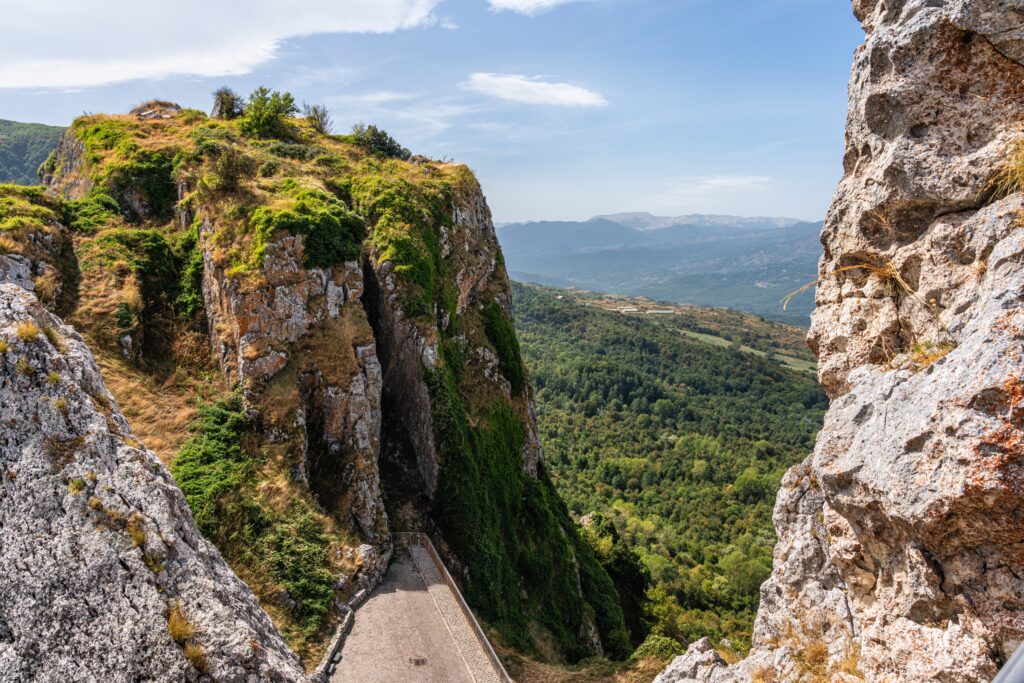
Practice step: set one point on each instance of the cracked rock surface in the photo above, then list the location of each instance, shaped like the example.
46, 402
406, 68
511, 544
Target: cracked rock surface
97, 544
901, 548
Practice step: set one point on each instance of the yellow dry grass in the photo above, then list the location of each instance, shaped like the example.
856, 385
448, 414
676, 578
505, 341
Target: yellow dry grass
886, 272
26, 331
196, 656
158, 415
924, 354
180, 628
1010, 177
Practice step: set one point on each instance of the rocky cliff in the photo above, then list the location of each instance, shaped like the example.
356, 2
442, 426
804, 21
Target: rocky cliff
345, 317
900, 538
104, 573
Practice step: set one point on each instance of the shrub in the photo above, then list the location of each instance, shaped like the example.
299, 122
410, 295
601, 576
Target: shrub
227, 104
190, 300
212, 464
147, 173
92, 212
269, 167
291, 150
27, 331
266, 113
229, 166
658, 647
319, 118
298, 560
332, 233
180, 628
500, 333
379, 142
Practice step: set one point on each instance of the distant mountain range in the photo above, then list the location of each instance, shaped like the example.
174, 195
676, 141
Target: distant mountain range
747, 264
23, 147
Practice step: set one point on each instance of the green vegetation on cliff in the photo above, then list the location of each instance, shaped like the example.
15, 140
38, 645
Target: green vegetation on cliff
164, 203
677, 442
23, 148
283, 549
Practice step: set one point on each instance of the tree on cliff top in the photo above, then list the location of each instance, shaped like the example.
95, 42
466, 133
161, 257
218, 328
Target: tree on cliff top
265, 114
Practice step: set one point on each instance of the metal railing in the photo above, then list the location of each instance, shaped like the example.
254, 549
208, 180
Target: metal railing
404, 539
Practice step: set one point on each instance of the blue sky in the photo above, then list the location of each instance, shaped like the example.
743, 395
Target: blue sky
564, 108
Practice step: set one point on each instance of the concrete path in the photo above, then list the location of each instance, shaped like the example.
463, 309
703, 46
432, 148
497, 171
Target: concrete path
400, 636
480, 667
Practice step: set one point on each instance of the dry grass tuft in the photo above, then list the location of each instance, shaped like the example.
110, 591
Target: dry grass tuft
1010, 177
888, 273
159, 414
924, 354
55, 338
3, 347
196, 656
812, 660
27, 331
53, 377
24, 367
137, 530
180, 628
850, 664
76, 486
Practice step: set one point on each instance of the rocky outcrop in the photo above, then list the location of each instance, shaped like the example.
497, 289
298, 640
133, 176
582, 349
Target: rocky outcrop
362, 309
899, 554
98, 549
298, 341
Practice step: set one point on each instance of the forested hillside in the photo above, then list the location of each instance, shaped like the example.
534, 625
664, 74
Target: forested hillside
23, 147
676, 442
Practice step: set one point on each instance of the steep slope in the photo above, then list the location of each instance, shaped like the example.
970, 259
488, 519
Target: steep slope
364, 374
23, 149
103, 573
899, 553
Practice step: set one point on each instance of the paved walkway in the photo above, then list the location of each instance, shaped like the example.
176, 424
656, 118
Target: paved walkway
472, 653
400, 636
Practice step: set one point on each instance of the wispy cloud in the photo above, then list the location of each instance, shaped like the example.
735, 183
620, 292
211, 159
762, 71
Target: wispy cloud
528, 7
70, 43
713, 193
369, 99
727, 182
533, 90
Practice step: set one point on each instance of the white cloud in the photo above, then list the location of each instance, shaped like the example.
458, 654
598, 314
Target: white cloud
527, 7
71, 43
710, 194
729, 182
533, 90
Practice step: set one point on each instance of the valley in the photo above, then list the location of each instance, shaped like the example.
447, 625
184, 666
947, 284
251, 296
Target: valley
745, 264
667, 436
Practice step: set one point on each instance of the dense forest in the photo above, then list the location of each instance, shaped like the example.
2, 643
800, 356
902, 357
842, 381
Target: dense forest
669, 445
23, 147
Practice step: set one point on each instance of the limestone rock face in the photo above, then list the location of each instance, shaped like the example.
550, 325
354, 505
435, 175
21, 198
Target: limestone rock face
298, 341
900, 543
97, 544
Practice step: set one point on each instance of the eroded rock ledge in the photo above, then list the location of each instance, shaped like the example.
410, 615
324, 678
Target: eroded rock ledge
900, 539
